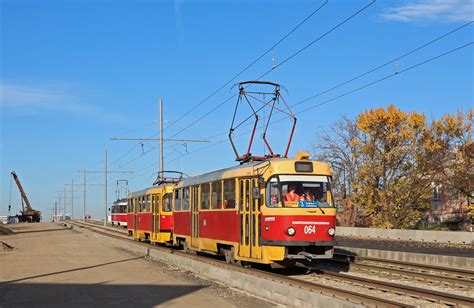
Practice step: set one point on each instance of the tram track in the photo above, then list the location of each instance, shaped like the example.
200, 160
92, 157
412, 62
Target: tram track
435, 275
406, 293
317, 282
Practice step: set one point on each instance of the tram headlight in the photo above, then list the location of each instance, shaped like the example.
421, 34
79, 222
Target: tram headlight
291, 231
331, 231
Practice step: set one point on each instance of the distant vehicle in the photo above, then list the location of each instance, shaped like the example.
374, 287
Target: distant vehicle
30, 214
119, 213
12, 220
3, 220
61, 217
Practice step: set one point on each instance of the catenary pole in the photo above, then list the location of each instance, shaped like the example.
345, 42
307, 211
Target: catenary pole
72, 199
105, 192
162, 162
85, 194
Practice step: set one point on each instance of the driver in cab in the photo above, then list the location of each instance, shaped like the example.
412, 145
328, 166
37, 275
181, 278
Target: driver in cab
292, 196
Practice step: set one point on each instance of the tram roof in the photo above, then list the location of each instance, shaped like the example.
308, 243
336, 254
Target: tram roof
218, 174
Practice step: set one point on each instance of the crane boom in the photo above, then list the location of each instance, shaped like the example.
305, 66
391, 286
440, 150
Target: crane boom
30, 215
22, 192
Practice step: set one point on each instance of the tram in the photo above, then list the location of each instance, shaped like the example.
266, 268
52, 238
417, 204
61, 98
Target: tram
279, 210
150, 216
119, 213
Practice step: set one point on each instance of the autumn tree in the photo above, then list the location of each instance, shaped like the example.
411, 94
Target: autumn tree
453, 140
336, 146
394, 180
391, 159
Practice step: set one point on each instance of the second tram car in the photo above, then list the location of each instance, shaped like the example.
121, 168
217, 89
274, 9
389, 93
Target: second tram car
119, 213
278, 210
150, 216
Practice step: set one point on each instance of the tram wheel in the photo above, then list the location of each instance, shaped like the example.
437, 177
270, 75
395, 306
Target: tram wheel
229, 256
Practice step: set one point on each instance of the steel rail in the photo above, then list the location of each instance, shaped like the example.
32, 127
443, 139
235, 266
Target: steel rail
411, 272
462, 273
351, 296
405, 273
415, 292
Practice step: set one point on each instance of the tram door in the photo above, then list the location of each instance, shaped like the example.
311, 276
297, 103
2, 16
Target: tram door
195, 216
249, 220
135, 216
156, 215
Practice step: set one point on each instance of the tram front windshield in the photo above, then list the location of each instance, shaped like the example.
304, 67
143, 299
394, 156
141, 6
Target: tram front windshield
303, 191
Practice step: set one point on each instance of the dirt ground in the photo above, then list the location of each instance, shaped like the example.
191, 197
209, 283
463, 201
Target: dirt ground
63, 268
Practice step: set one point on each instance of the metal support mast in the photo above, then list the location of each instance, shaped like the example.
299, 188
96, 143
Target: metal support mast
72, 199
162, 162
105, 192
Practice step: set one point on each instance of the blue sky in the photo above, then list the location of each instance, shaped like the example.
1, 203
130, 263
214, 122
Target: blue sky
76, 73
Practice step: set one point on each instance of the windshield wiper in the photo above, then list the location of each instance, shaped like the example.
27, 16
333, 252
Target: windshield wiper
317, 205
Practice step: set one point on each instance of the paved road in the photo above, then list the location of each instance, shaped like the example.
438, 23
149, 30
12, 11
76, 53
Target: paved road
68, 269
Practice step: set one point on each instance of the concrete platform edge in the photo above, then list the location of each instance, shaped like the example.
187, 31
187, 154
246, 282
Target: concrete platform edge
269, 290
418, 258
454, 237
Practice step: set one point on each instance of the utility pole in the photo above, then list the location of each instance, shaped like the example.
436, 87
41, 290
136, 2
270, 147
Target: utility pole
72, 199
85, 194
55, 211
105, 172
59, 201
64, 202
160, 121
105, 192
161, 161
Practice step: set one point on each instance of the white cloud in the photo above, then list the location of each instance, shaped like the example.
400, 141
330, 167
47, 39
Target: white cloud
40, 99
432, 10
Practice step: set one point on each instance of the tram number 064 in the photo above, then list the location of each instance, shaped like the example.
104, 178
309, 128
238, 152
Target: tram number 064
309, 229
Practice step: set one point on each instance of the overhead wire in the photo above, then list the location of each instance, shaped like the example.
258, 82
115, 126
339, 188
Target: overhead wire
280, 64
234, 77
249, 65
351, 91
371, 70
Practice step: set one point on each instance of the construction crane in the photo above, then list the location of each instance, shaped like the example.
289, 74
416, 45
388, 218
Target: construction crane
28, 215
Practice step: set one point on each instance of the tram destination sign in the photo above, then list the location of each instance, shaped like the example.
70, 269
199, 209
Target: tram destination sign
306, 166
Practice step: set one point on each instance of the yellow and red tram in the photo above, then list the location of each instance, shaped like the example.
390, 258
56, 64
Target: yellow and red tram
247, 213
149, 214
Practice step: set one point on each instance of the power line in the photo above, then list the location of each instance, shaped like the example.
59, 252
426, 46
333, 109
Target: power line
397, 58
249, 65
387, 77
255, 61
283, 62
385, 64
317, 39
348, 92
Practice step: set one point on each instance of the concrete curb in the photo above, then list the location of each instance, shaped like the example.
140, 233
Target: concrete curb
272, 291
454, 237
417, 258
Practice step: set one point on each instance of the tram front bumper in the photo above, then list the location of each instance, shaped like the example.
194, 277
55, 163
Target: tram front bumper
322, 252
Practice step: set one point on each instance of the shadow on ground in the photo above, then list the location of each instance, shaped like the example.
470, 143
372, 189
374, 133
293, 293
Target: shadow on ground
90, 295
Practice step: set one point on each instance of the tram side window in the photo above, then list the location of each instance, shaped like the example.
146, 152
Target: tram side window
177, 199
216, 195
186, 199
166, 203
273, 194
229, 194
141, 201
147, 203
205, 196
